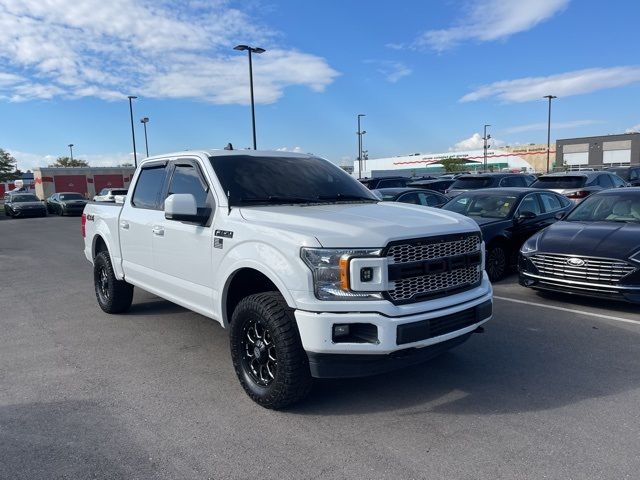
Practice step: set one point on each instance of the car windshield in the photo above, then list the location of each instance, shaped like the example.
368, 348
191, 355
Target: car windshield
252, 180
560, 182
71, 196
622, 207
472, 183
490, 205
25, 198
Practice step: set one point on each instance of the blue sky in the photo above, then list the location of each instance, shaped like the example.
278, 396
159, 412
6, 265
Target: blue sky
428, 75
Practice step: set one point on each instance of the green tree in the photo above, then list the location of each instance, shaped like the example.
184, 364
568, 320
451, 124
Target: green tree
7, 166
453, 164
67, 162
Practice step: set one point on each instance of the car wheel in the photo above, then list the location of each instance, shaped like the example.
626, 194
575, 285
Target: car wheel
61, 211
114, 296
496, 262
267, 352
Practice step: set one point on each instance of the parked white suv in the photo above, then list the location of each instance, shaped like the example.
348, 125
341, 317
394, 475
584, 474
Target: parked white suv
109, 194
313, 275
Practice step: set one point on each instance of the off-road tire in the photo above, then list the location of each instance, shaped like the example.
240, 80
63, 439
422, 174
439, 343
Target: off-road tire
113, 295
292, 379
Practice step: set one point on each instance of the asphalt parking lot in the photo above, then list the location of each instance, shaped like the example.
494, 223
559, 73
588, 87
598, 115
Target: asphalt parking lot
550, 390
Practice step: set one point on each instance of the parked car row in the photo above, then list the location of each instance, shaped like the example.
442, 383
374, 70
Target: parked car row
557, 241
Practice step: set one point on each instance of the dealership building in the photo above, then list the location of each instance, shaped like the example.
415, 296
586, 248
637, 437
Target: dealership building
601, 151
521, 158
84, 180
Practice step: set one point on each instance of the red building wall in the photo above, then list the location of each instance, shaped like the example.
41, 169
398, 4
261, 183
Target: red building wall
71, 183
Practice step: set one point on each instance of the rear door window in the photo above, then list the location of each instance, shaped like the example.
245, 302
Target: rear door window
634, 174
550, 202
529, 204
605, 181
148, 188
617, 181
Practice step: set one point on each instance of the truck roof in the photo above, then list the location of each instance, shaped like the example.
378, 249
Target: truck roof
222, 153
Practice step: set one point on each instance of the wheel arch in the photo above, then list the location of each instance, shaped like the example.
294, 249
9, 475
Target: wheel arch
248, 280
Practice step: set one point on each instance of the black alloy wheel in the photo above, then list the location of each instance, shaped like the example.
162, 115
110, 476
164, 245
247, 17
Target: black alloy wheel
496, 262
259, 359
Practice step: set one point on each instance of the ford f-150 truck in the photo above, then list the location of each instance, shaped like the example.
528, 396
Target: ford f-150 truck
311, 273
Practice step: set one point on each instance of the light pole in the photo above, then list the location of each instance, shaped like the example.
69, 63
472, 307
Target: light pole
550, 97
485, 138
71, 151
144, 121
133, 132
253, 108
359, 133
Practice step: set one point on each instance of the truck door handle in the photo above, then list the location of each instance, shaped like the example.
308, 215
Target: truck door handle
124, 225
159, 231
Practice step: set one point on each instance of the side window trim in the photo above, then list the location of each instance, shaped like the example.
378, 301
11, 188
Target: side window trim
535, 199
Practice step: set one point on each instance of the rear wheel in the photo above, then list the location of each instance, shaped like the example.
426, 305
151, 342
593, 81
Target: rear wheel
267, 352
61, 211
113, 295
496, 263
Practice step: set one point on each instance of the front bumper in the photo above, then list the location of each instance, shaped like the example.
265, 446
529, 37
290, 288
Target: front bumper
387, 339
625, 293
29, 212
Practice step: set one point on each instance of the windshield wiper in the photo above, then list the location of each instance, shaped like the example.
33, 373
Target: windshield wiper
277, 199
345, 196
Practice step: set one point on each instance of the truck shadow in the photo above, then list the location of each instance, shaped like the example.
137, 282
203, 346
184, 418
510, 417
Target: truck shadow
68, 439
516, 366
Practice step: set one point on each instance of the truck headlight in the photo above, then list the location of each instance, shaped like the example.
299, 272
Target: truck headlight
530, 245
330, 268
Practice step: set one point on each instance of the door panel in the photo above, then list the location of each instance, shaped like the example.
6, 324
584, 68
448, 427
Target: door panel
182, 250
140, 214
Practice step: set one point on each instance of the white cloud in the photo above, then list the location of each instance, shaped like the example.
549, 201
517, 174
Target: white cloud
634, 129
391, 70
491, 20
29, 161
561, 85
532, 127
474, 142
154, 49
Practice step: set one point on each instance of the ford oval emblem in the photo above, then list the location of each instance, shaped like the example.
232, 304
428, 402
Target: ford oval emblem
576, 262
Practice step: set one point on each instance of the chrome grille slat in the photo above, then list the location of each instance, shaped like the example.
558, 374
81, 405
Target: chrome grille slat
598, 270
418, 250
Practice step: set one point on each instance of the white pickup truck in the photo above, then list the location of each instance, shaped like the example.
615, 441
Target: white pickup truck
311, 273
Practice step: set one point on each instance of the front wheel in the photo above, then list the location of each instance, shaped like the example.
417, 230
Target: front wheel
496, 263
113, 295
267, 352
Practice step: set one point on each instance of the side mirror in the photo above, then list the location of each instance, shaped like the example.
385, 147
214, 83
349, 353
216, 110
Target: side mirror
525, 215
182, 208
560, 215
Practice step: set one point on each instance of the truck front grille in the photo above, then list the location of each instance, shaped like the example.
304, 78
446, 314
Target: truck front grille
597, 270
429, 267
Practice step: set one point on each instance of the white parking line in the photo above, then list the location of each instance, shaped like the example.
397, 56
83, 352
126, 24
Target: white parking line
571, 310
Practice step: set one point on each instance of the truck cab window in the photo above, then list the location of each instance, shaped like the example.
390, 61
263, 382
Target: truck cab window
148, 187
186, 179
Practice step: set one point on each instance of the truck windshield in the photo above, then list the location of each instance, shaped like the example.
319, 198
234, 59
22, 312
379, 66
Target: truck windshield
252, 180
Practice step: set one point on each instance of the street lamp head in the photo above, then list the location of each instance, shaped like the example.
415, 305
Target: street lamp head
258, 50
241, 47
144, 120
70, 145
362, 115
550, 96
131, 97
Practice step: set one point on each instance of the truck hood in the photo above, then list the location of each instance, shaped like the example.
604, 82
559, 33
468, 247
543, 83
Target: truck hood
596, 239
370, 225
